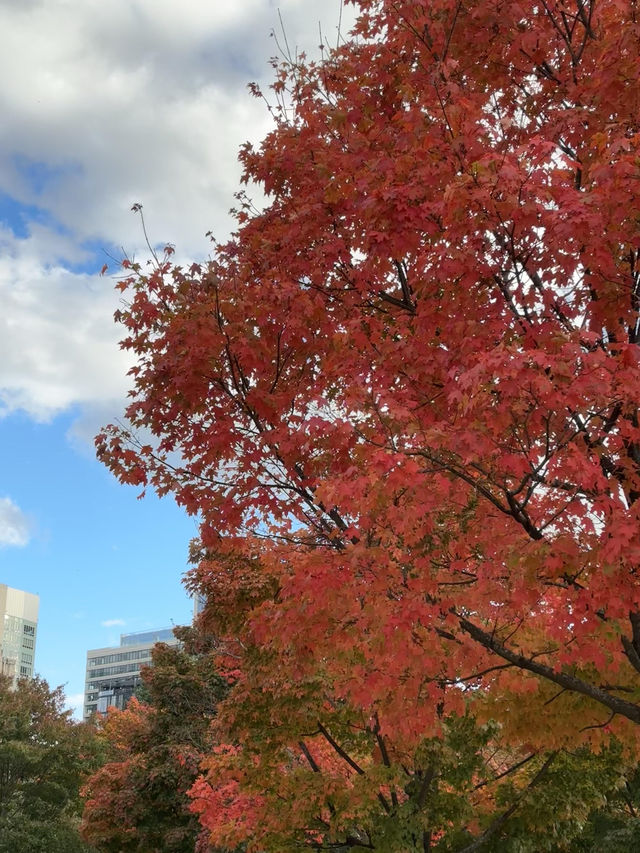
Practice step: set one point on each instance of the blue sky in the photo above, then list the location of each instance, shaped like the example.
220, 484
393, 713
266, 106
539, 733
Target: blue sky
103, 106
101, 560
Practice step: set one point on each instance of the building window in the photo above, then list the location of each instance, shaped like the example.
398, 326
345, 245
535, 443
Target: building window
114, 670
117, 657
29, 629
24, 670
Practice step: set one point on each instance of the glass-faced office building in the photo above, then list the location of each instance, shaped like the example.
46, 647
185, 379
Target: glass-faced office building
18, 632
113, 673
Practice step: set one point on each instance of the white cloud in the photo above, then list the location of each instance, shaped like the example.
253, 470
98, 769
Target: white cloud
132, 101
14, 525
58, 345
111, 623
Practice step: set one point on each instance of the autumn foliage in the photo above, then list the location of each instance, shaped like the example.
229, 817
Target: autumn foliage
403, 402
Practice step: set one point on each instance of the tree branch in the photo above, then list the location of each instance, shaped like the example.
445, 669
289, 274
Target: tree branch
345, 755
495, 825
563, 679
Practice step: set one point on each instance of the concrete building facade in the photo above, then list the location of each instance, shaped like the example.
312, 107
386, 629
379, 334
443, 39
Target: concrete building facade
113, 672
18, 632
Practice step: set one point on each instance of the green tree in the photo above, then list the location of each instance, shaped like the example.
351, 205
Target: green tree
613, 827
44, 759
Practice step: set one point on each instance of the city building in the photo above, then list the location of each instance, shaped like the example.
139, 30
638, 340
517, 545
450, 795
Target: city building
199, 603
113, 673
18, 631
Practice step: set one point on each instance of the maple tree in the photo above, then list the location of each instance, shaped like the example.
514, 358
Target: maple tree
405, 393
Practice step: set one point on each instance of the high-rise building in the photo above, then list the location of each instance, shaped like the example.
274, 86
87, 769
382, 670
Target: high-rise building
18, 631
113, 673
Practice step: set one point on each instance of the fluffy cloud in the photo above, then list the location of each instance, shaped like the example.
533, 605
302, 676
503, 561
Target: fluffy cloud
58, 345
111, 104
137, 101
14, 525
